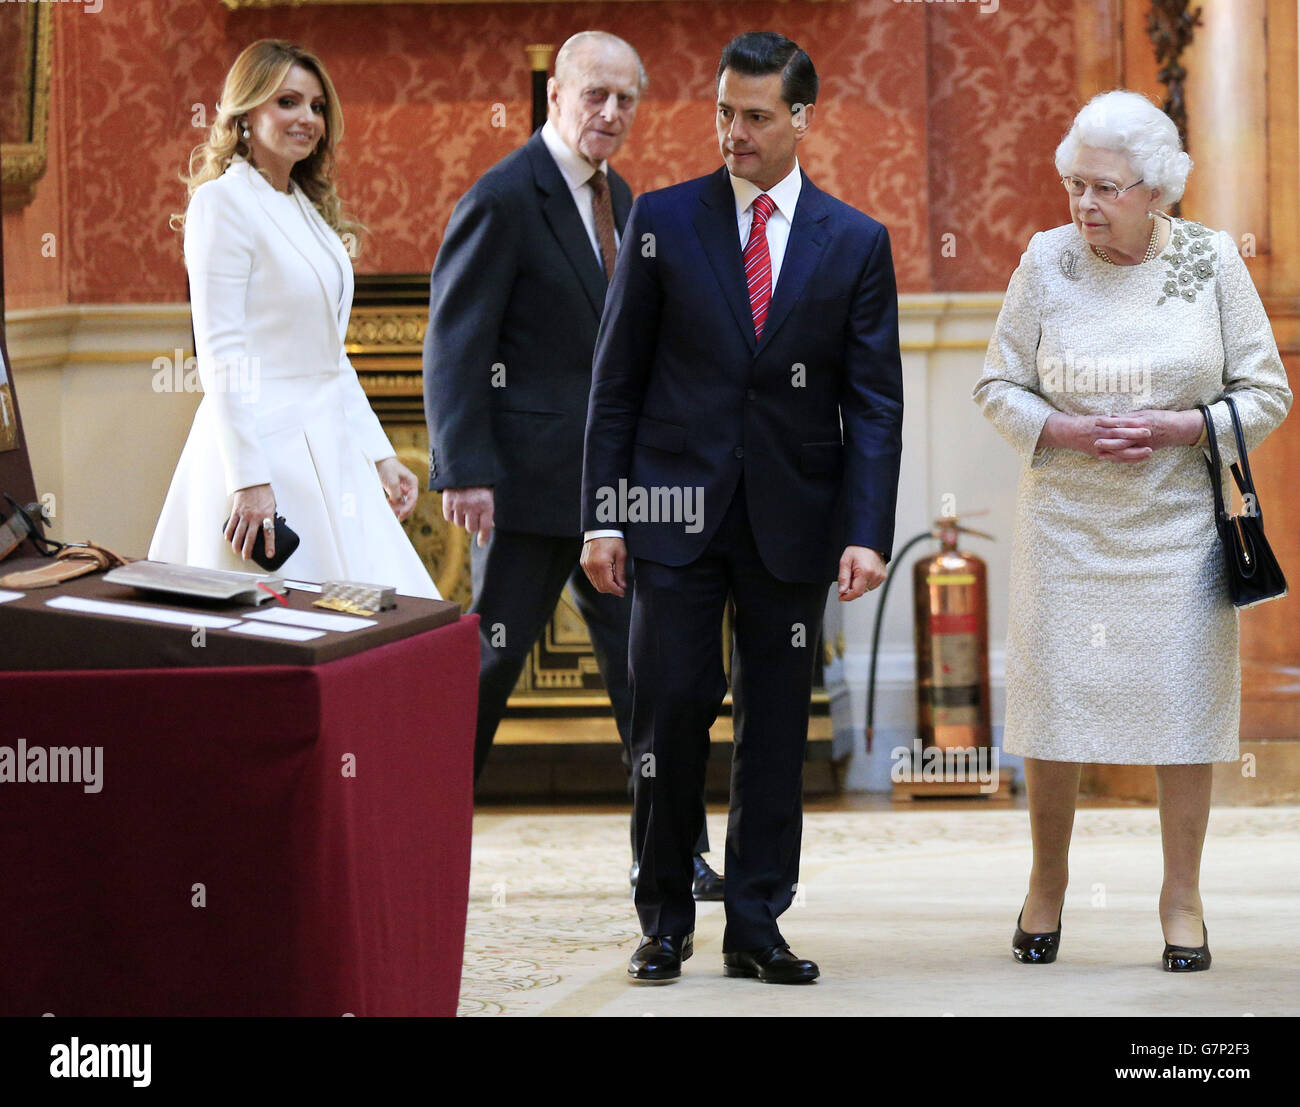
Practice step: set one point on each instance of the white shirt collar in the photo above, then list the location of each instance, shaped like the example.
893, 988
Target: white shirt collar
575, 169
785, 193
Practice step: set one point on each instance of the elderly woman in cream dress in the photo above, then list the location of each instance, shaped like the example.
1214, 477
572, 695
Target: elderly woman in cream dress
284, 425
1122, 644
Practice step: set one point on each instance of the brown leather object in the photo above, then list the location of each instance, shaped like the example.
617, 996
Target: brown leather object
68, 564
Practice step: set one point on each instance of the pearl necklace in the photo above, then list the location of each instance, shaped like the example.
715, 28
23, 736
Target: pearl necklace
1151, 245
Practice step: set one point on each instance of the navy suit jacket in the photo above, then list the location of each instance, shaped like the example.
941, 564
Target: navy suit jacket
514, 303
684, 397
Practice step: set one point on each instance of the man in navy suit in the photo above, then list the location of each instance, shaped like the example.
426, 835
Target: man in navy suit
515, 300
743, 440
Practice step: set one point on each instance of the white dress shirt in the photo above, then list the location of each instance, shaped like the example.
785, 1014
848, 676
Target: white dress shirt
785, 194
577, 172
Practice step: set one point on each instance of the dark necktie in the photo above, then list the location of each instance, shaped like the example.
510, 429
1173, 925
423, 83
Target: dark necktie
758, 263
603, 214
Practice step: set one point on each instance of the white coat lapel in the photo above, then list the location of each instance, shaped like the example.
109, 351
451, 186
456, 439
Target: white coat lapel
331, 241
296, 232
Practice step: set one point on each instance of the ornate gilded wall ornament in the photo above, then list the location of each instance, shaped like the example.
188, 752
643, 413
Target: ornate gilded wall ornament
1171, 28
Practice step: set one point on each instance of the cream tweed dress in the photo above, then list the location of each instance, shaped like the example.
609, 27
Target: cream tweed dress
1122, 643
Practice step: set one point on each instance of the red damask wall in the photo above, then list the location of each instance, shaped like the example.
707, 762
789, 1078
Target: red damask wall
1002, 93
934, 117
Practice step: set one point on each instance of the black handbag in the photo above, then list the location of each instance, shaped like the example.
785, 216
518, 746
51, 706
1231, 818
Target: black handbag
1254, 576
286, 542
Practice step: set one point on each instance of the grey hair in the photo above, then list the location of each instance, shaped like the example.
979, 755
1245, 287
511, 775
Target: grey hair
596, 38
1132, 125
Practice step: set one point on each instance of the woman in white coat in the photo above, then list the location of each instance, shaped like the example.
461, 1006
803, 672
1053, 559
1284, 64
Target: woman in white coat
284, 425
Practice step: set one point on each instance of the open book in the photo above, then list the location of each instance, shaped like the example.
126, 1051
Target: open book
196, 583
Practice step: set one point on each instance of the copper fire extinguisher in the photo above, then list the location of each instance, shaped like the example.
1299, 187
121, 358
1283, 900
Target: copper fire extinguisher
951, 606
951, 621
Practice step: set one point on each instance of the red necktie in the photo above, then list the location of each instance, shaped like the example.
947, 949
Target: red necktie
758, 263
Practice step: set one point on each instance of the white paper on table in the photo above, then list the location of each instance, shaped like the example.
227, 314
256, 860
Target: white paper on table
140, 611
6, 596
317, 620
302, 586
272, 630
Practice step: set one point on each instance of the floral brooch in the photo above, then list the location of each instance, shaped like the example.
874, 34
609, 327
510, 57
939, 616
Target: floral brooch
1190, 259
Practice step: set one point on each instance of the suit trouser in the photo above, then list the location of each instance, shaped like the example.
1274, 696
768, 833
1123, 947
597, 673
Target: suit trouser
678, 683
518, 579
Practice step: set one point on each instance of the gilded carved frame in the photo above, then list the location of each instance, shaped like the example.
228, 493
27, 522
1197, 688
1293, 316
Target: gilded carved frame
24, 162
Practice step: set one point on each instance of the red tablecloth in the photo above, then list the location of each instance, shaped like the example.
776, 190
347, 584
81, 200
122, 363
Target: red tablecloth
323, 893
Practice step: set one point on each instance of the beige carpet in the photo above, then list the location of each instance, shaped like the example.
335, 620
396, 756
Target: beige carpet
908, 913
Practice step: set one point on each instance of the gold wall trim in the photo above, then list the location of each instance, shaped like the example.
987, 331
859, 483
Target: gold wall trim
920, 345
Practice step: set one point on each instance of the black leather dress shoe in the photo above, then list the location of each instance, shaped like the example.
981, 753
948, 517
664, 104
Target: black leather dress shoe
1035, 949
707, 886
1188, 958
773, 965
659, 957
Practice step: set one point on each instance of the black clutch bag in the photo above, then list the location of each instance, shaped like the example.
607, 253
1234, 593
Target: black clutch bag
1254, 576
286, 541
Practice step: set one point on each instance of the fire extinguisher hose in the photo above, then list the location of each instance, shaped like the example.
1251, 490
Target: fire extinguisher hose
875, 631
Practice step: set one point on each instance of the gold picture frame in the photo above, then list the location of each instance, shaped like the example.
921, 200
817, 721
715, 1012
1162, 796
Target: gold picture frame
8, 413
25, 153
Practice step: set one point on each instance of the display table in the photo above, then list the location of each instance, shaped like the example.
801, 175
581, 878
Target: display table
271, 839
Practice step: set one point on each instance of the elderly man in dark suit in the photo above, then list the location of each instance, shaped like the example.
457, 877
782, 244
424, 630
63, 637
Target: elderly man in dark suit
747, 366
515, 300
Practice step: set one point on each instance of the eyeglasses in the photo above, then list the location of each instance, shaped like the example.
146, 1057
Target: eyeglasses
1105, 191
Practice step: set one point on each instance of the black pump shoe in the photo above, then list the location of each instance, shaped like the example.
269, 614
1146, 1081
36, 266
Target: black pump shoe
1035, 949
1188, 958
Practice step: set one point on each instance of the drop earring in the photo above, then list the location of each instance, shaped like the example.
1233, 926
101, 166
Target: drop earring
244, 131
